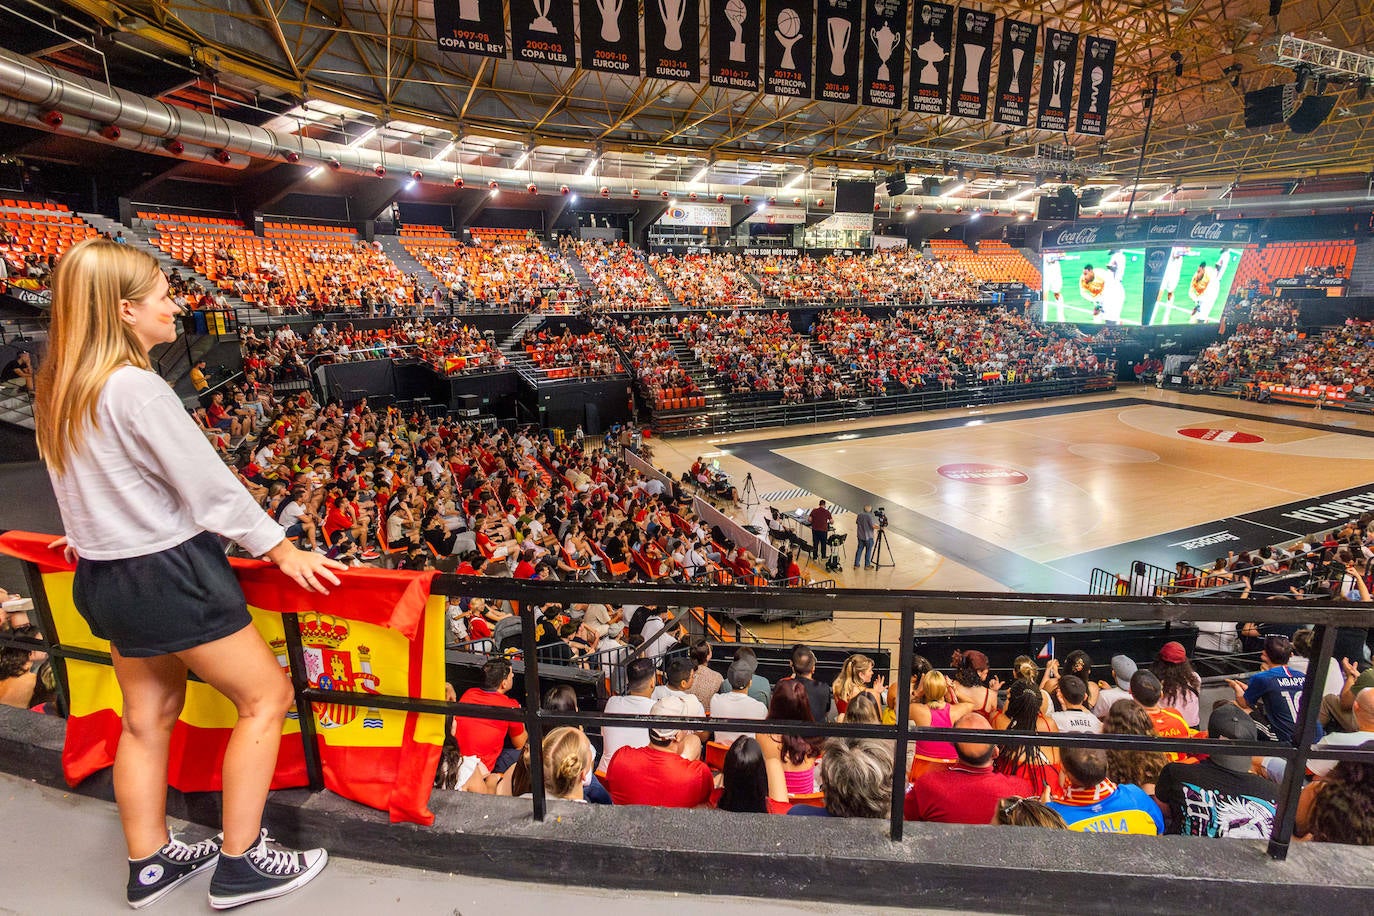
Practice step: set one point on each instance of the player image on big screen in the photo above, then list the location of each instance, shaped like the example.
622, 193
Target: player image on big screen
1093, 285
1195, 285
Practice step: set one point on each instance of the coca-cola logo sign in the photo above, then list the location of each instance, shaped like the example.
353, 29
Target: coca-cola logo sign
1209, 232
1085, 236
1163, 230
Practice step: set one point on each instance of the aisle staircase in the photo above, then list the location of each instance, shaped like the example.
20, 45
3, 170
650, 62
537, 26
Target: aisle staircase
405, 261
692, 418
1362, 270
653, 275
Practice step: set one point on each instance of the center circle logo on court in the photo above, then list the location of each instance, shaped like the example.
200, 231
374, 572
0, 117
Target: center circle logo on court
988, 475
1221, 435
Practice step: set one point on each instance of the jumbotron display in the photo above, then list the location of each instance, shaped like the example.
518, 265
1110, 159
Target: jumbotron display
1195, 285
1093, 286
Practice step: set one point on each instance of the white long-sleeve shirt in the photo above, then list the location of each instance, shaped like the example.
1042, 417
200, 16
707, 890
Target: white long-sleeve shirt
146, 479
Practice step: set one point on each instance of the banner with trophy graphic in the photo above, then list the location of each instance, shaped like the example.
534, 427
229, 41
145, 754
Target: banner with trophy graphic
839, 31
788, 29
672, 40
1056, 80
610, 36
1015, 68
541, 32
1095, 86
734, 61
471, 27
972, 64
885, 52
932, 51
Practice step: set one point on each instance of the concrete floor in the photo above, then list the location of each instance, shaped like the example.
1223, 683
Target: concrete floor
64, 854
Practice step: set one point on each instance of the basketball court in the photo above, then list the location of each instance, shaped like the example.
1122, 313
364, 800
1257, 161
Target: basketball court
1033, 498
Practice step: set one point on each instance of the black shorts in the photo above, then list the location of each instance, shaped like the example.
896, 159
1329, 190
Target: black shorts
164, 602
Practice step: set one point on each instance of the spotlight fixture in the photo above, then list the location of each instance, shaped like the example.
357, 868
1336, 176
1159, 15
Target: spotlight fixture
175, 147
417, 175
111, 132
493, 184
634, 193
532, 188
292, 156
334, 164
52, 118
379, 170
458, 181
222, 157
565, 190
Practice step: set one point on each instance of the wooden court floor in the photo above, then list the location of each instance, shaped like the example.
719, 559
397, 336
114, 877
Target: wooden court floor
1030, 497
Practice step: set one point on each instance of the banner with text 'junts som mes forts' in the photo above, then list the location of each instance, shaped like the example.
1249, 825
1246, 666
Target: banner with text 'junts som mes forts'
380, 632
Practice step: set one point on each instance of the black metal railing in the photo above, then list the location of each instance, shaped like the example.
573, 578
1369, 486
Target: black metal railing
1325, 617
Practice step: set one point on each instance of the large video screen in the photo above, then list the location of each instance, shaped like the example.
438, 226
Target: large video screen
1195, 285
1093, 286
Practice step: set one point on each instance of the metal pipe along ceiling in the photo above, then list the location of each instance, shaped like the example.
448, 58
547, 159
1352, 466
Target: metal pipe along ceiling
14, 111
50, 88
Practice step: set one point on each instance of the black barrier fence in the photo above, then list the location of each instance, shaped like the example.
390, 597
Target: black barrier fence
1326, 618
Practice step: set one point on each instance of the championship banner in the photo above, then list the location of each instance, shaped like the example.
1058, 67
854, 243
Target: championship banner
1056, 80
734, 61
471, 27
973, 64
610, 36
1015, 67
932, 50
789, 29
541, 32
839, 30
1095, 88
672, 40
379, 632
885, 57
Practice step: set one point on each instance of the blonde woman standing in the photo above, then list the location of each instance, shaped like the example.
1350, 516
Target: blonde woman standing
143, 496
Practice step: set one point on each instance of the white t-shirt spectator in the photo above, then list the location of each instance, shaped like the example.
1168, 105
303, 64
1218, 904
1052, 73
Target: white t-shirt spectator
614, 738
736, 706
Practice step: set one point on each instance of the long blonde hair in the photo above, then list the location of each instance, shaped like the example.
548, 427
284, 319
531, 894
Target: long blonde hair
87, 340
849, 682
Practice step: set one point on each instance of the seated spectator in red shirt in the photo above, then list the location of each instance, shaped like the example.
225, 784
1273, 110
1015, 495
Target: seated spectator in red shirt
968, 792
487, 738
667, 773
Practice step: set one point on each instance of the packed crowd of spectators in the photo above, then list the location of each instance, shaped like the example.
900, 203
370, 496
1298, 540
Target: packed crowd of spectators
1277, 353
706, 281
799, 279
949, 346
622, 278
518, 275
646, 344
900, 276
760, 352
588, 355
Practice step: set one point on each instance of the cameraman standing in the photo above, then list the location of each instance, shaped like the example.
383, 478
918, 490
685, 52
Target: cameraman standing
865, 525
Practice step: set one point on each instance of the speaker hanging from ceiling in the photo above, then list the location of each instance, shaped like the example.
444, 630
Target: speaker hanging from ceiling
896, 183
1272, 105
1311, 113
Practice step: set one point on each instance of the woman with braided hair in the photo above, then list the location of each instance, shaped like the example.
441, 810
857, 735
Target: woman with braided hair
1040, 766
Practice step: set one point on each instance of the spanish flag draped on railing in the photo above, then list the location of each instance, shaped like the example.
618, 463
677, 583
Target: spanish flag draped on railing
380, 633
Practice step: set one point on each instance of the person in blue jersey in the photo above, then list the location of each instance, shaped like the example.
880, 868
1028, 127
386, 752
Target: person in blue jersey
1276, 690
1089, 802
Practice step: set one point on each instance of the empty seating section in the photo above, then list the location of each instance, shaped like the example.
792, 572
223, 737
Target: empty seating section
706, 281
34, 232
424, 232
293, 268
1262, 265
504, 268
655, 365
621, 278
994, 262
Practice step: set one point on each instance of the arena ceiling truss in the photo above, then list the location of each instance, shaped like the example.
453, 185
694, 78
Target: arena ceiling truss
341, 67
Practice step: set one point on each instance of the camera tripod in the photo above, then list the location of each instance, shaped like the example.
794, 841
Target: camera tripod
880, 542
749, 496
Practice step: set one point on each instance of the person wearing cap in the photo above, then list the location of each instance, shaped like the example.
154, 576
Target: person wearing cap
1181, 683
1168, 722
737, 704
759, 688
968, 791
1338, 709
1219, 796
1089, 802
1277, 689
1123, 669
666, 773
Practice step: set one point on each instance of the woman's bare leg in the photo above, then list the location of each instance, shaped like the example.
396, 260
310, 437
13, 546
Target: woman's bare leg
154, 690
243, 668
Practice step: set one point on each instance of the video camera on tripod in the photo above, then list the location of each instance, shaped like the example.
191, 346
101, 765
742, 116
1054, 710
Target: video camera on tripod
880, 514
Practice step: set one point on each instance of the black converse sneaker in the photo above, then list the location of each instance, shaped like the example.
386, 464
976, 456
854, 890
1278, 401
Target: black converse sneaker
263, 872
151, 878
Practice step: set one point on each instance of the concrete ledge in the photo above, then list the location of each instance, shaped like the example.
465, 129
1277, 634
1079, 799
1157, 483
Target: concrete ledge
1026, 870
